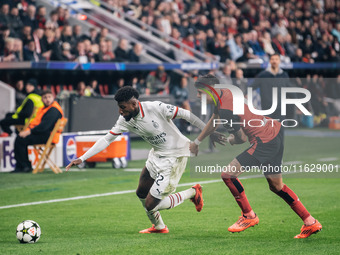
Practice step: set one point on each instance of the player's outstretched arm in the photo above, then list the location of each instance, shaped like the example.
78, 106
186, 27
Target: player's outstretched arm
100, 145
73, 163
208, 129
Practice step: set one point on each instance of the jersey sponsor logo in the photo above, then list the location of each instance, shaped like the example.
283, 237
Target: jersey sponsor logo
157, 139
155, 124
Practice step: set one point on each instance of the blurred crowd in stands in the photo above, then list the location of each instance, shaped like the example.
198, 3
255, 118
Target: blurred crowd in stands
242, 30
28, 33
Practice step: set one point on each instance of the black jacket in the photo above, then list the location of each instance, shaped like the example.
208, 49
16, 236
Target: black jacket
266, 81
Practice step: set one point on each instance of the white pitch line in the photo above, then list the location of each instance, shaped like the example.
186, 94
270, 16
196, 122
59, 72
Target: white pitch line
110, 194
327, 159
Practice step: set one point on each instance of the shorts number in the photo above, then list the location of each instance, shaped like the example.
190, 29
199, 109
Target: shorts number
159, 178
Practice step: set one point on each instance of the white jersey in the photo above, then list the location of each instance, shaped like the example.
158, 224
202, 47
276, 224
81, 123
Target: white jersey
154, 124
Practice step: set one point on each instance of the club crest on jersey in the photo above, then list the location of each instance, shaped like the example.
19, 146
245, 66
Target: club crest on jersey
155, 124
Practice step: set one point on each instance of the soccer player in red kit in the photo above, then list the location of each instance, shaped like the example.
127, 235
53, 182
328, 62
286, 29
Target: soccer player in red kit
265, 151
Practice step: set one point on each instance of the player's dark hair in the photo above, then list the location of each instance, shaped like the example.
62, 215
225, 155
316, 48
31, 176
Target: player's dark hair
274, 54
46, 91
207, 79
124, 94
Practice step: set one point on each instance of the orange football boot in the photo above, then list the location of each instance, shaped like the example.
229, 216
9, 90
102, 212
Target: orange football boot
306, 231
198, 198
154, 230
243, 223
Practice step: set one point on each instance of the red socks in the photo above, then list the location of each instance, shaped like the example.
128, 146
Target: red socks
237, 190
291, 198
286, 194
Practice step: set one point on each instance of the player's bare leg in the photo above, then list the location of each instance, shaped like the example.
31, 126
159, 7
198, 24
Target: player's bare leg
144, 186
248, 218
152, 204
311, 225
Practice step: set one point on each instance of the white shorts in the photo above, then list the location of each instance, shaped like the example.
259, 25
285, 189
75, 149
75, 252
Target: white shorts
166, 171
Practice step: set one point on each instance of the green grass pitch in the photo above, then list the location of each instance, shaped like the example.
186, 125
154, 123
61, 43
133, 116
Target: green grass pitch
110, 224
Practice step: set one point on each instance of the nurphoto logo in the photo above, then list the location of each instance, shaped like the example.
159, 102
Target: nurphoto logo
239, 101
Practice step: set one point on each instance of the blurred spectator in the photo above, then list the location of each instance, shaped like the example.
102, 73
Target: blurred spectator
290, 48
48, 44
4, 34
221, 48
81, 86
67, 35
9, 54
90, 50
80, 53
29, 18
297, 56
15, 22
19, 93
235, 46
92, 90
77, 33
225, 75
255, 45
18, 49
240, 81
158, 81
93, 35
188, 40
277, 44
280, 28
104, 32
318, 101
104, 54
26, 34
66, 54
120, 84
41, 16
121, 52
38, 34
24, 111
336, 31
203, 24
138, 85
62, 16
267, 43
272, 77
199, 40
30, 53
181, 95
52, 22
4, 15
135, 52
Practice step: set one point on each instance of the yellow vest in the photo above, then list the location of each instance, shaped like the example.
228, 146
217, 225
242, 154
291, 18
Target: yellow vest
36, 99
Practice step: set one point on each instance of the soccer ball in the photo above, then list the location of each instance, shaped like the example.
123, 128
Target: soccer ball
28, 231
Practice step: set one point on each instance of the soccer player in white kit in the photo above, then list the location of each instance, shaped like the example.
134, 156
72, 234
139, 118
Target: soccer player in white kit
167, 159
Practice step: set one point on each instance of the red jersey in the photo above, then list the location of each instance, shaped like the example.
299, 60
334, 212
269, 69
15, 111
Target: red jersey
254, 126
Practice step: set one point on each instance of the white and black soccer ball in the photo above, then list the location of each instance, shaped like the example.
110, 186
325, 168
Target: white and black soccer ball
28, 231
